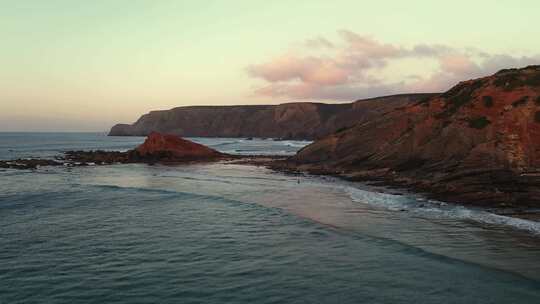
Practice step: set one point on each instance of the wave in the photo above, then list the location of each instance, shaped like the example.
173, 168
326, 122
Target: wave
139, 189
296, 144
227, 143
439, 210
181, 194
259, 152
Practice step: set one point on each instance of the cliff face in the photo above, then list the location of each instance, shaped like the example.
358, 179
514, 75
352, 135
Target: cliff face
290, 120
478, 142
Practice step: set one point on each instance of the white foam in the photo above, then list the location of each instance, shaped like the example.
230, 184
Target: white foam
385, 200
296, 144
436, 209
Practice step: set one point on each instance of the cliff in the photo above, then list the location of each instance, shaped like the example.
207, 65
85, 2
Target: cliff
290, 120
477, 143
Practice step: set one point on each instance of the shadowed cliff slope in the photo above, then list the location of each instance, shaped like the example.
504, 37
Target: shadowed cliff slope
290, 120
478, 142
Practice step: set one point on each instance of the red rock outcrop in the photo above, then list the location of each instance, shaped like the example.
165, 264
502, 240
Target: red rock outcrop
156, 148
479, 142
171, 147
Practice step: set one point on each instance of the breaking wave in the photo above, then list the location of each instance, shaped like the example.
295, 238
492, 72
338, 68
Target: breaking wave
438, 210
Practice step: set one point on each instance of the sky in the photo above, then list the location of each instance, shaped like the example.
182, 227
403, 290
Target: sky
68, 65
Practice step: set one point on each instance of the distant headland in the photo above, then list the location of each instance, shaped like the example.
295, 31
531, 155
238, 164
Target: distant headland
301, 120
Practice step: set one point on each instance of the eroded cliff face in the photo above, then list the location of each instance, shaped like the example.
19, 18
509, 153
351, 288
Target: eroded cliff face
478, 142
290, 120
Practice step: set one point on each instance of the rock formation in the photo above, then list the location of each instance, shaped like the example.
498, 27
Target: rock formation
171, 147
25, 164
156, 148
479, 142
286, 121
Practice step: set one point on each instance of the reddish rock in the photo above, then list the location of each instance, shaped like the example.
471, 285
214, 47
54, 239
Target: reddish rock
171, 147
477, 143
156, 148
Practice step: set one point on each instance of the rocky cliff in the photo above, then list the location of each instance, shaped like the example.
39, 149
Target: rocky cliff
290, 120
479, 142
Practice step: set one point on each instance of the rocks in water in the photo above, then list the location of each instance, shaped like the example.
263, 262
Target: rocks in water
156, 148
98, 157
28, 163
166, 147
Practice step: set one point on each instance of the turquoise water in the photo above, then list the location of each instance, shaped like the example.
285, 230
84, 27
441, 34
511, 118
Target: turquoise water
223, 233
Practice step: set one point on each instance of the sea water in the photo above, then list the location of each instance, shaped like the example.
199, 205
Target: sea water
226, 233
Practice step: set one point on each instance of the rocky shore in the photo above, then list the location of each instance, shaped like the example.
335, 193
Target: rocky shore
157, 148
24, 164
478, 143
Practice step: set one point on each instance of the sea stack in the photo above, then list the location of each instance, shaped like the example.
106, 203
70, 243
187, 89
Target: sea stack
156, 148
167, 147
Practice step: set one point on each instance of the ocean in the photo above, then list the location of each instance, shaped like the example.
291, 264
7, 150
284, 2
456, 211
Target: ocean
229, 233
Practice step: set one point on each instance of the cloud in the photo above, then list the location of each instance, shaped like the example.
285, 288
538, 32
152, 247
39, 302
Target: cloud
319, 42
496, 62
364, 46
313, 70
456, 68
354, 67
430, 50
458, 64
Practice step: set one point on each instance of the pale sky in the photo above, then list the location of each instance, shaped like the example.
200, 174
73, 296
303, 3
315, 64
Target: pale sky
68, 65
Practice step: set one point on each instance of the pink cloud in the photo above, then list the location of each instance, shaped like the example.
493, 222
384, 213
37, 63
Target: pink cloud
282, 68
322, 71
458, 64
352, 68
